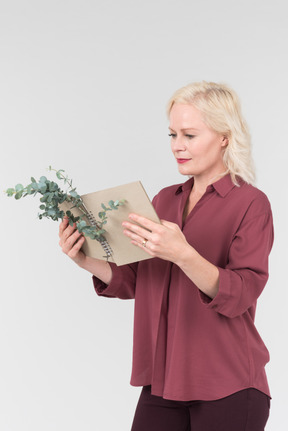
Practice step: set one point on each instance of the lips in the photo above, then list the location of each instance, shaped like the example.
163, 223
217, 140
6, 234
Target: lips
181, 161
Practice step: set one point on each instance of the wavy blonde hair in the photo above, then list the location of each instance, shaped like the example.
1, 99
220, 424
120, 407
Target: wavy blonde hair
221, 110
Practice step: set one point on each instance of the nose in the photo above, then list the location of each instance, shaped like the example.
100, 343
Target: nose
178, 144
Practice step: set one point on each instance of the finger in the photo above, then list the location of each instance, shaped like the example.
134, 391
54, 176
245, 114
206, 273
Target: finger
145, 222
143, 246
133, 236
68, 244
136, 229
76, 248
63, 225
68, 232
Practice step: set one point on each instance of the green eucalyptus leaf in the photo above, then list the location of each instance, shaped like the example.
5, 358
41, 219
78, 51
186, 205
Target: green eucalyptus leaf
50, 197
19, 187
51, 212
62, 199
18, 195
53, 186
10, 192
42, 188
81, 224
29, 189
35, 185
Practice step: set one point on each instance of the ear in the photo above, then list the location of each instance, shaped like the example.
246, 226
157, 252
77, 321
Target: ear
225, 141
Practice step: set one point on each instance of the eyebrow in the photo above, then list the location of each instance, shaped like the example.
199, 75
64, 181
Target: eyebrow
184, 130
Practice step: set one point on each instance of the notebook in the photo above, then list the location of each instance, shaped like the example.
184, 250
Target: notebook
117, 247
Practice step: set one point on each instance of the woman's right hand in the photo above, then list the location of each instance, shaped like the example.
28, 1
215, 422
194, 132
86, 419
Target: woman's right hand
71, 242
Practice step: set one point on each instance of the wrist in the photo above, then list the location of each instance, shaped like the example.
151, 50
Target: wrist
82, 261
187, 255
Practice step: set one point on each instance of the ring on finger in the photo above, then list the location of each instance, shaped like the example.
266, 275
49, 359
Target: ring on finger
144, 242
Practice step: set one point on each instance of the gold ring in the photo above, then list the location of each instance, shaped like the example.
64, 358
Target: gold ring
144, 242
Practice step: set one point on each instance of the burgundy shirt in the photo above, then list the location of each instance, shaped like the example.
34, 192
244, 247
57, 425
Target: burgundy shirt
187, 345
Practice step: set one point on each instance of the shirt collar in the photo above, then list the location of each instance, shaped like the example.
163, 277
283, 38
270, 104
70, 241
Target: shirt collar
222, 186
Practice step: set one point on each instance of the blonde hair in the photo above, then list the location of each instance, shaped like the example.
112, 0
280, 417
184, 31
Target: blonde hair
221, 110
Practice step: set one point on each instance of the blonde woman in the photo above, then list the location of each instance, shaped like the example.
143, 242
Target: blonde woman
196, 350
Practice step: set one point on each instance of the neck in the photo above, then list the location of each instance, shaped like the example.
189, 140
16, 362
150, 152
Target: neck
201, 183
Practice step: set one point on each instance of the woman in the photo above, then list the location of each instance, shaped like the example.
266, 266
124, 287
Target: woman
196, 350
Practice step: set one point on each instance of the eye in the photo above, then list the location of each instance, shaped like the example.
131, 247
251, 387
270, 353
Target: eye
190, 136
172, 135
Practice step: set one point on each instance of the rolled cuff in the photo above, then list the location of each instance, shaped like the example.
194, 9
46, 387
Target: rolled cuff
122, 284
223, 293
238, 291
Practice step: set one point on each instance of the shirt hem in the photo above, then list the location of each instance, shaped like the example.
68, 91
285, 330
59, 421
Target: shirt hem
167, 395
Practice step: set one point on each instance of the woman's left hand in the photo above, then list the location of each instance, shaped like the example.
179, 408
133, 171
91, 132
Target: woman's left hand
164, 240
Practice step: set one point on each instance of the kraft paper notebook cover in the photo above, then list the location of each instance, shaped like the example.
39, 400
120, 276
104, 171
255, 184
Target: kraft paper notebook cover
136, 201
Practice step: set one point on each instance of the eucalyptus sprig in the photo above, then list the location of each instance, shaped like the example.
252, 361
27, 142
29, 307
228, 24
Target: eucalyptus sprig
52, 196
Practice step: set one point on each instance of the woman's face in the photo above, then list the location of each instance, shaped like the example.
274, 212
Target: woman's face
198, 149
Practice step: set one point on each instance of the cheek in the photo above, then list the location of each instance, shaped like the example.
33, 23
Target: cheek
200, 150
207, 152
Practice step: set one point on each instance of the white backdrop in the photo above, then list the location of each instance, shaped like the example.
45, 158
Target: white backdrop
83, 87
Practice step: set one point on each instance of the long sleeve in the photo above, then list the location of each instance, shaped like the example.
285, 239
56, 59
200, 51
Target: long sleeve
122, 285
242, 280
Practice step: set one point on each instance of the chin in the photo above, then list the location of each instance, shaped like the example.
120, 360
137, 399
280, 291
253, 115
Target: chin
185, 171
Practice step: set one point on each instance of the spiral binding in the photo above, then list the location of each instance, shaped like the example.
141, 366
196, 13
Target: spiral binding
105, 244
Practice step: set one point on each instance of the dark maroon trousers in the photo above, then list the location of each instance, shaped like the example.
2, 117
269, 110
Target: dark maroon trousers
247, 410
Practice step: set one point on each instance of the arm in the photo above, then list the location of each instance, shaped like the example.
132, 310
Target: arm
202, 273
244, 277
229, 290
108, 279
